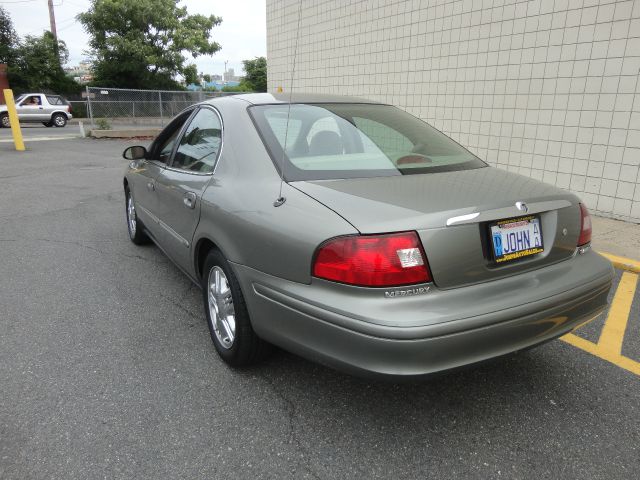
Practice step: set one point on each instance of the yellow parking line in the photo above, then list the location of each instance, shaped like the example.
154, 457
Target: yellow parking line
592, 348
616, 323
622, 263
609, 346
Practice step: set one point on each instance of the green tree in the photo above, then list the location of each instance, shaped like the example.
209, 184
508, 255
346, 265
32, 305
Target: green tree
36, 67
255, 74
190, 74
142, 43
206, 77
8, 38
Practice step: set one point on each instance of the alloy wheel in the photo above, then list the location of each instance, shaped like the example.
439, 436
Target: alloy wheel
131, 216
221, 310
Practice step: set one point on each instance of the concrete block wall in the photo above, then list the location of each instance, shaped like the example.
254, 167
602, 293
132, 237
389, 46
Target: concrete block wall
546, 88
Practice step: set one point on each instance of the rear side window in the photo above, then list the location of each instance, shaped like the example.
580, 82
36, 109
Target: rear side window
199, 146
54, 100
330, 141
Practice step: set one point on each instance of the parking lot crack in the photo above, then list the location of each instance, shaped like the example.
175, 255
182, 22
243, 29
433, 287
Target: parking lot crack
291, 412
178, 303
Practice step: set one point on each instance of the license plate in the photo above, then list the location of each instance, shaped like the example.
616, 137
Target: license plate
516, 238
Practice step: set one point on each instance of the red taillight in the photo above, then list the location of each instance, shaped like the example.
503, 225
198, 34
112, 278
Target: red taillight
585, 226
387, 260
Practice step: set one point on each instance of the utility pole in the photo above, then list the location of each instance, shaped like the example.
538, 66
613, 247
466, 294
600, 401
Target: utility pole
224, 77
52, 21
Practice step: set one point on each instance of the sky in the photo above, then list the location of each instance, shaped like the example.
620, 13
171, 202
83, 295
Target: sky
242, 33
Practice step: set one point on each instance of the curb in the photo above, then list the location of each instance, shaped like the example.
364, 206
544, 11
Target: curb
128, 133
623, 263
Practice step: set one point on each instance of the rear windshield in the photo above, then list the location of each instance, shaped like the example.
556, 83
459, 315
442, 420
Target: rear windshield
330, 141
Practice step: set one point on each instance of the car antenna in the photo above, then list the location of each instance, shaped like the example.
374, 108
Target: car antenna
280, 200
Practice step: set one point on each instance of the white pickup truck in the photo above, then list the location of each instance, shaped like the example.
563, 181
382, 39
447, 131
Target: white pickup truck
50, 110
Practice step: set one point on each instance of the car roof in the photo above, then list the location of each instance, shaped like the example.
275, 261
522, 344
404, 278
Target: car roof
271, 98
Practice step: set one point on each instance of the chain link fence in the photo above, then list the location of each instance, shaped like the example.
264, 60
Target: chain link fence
78, 108
108, 107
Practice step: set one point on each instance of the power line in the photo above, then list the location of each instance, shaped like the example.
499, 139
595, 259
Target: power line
17, 1
9, 2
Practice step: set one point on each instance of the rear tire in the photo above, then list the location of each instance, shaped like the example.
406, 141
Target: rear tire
59, 120
4, 121
134, 226
227, 314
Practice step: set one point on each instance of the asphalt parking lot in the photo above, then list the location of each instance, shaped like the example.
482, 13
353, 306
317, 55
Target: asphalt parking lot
108, 370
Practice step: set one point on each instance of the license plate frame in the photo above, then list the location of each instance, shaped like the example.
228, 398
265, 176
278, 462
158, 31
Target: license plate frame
498, 253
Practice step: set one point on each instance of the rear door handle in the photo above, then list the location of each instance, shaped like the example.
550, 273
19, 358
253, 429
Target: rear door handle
151, 186
189, 200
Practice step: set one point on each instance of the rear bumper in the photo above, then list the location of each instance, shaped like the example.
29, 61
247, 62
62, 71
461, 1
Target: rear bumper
335, 332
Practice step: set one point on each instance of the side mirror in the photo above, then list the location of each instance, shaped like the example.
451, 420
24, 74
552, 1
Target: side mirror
134, 153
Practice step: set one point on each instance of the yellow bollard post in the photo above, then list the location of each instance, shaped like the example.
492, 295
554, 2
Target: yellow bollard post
13, 120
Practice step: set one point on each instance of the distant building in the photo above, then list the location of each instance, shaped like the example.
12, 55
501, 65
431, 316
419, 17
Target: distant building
81, 73
230, 76
230, 79
217, 84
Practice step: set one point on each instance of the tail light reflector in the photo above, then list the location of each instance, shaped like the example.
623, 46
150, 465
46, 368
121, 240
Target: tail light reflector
585, 226
388, 260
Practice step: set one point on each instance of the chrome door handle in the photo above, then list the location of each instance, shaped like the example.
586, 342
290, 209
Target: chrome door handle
151, 186
189, 200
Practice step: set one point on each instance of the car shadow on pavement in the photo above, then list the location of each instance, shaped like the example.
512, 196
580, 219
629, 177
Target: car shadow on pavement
497, 380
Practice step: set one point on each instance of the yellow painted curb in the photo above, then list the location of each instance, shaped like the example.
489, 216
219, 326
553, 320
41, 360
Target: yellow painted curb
622, 262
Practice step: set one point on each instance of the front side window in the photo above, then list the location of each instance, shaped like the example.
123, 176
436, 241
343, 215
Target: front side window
164, 152
330, 141
200, 144
163, 146
31, 101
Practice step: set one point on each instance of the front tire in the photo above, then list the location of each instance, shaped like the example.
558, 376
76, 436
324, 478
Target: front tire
59, 120
134, 226
227, 314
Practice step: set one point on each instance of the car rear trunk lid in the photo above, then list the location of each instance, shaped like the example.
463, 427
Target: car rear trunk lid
453, 212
